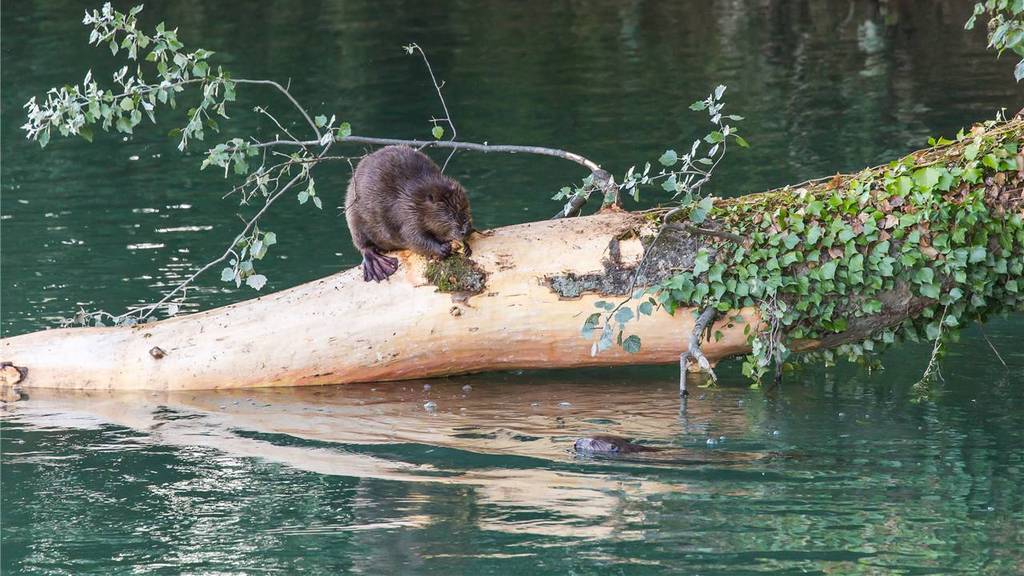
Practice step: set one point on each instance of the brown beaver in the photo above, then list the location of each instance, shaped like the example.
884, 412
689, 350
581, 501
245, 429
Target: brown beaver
398, 199
608, 444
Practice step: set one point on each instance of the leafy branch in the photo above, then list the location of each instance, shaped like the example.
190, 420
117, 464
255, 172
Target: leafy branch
163, 69
1005, 28
684, 176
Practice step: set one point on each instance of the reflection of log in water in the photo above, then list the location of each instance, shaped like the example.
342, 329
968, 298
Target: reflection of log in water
513, 440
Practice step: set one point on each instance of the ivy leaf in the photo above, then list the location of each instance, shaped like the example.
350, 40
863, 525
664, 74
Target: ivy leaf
645, 308
320, 121
227, 274
344, 130
930, 291
669, 158
700, 264
828, 269
438, 132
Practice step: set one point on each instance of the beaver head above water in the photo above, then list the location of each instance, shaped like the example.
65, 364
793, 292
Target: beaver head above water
398, 199
608, 444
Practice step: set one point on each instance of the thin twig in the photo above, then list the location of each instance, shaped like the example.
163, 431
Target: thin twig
437, 87
992, 346
932, 370
288, 94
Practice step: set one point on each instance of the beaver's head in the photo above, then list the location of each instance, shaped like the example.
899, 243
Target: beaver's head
444, 209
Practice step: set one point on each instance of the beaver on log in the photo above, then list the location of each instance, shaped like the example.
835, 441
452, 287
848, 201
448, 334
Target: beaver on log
398, 199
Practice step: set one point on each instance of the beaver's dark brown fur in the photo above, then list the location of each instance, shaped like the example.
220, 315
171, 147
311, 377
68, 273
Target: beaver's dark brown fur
608, 444
398, 199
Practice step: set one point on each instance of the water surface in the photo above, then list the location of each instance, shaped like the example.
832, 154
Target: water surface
839, 471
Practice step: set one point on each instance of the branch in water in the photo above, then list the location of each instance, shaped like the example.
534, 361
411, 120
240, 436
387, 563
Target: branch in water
693, 350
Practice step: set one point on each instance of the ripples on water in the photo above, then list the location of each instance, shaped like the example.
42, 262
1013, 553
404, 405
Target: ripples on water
838, 472
821, 476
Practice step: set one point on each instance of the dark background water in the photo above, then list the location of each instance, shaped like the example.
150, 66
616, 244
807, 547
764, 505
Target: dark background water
841, 471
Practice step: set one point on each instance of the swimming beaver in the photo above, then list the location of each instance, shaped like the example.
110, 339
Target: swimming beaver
608, 444
398, 199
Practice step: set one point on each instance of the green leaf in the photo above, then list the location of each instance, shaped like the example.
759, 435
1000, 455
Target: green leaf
270, 239
669, 158
828, 269
645, 308
699, 105
227, 274
741, 141
438, 132
700, 263
320, 121
930, 291
700, 212
631, 344
344, 130
971, 151
303, 197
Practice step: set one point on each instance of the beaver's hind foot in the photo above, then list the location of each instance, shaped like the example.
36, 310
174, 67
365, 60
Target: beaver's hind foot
378, 267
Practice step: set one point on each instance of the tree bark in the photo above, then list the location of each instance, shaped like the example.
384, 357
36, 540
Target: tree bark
519, 303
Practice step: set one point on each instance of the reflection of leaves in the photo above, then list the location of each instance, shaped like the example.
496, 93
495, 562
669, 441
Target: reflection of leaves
256, 281
589, 325
631, 344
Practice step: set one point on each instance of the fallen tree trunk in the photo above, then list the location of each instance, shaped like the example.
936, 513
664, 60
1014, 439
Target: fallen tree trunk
519, 303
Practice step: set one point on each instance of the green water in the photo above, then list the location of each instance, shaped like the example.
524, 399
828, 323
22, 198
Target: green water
840, 471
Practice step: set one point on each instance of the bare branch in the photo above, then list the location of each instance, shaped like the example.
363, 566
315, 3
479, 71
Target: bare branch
693, 350
437, 87
477, 147
288, 94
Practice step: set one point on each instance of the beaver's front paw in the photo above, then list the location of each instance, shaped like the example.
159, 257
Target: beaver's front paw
444, 250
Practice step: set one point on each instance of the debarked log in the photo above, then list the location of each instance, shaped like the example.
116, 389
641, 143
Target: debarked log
525, 301
519, 303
